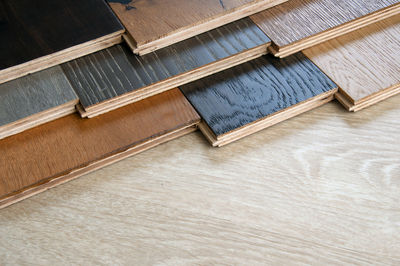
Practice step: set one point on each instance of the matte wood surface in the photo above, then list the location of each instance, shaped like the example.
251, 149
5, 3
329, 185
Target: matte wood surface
34, 99
115, 77
319, 189
155, 24
34, 30
365, 64
70, 146
240, 96
299, 24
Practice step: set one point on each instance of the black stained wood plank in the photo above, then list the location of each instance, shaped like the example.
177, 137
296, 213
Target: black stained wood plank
116, 71
32, 29
246, 93
30, 95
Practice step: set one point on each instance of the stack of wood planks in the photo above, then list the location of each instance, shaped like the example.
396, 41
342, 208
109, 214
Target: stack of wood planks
86, 83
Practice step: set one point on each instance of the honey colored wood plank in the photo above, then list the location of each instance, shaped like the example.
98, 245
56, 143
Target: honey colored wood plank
115, 77
300, 24
68, 147
365, 64
152, 25
252, 96
35, 99
40, 34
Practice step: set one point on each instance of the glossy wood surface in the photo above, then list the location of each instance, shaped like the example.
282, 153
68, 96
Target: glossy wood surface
115, 77
155, 24
69, 144
31, 30
299, 24
239, 96
365, 64
319, 189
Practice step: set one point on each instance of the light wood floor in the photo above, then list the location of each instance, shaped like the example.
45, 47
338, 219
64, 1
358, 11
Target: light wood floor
322, 188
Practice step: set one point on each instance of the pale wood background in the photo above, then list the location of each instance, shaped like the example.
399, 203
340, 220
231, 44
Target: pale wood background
321, 188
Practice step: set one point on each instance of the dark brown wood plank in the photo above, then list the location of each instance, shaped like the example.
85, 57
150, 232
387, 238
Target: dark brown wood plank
299, 24
115, 77
240, 97
155, 24
42, 33
63, 149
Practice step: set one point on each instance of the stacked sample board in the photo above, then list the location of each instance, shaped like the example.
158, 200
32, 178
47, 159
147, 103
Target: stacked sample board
75, 97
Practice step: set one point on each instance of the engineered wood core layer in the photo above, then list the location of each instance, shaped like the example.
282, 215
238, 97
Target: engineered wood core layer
115, 77
300, 24
250, 97
39, 34
35, 99
59, 151
151, 25
365, 64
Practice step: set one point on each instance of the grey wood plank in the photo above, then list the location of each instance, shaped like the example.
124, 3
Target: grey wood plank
246, 93
30, 95
116, 71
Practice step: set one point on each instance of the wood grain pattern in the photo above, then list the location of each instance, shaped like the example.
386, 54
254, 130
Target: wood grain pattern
40, 34
115, 77
35, 99
319, 189
68, 147
155, 24
299, 24
238, 99
365, 64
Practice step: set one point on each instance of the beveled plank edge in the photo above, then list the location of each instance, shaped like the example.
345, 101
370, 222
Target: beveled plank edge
256, 126
60, 57
335, 32
38, 119
201, 27
173, 82
52, 182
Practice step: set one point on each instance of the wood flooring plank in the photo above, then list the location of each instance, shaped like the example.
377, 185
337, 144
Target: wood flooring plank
152, 25
43, 33
300, 24
35, 99
249, 97
115, 77
365, 64
68, 147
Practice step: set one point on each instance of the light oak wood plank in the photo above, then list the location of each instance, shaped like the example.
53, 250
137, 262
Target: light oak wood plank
365, 64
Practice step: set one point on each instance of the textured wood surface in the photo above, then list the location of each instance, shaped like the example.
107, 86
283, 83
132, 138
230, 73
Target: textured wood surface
365, 64
238, 97
299, 24
70, 146
155, 24
32, 100
33, 31
115, 77
319, 189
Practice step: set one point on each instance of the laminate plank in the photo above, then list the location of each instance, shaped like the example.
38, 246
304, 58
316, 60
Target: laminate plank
115, 77
257, 94
152, 25
300, 24
44, 33
35, 99
365, 64
56, 152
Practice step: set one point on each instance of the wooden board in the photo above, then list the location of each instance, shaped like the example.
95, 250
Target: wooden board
300, 24
155, 24
115, 77
35, 99
39, 34
257, 94
365, 64
56, 152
